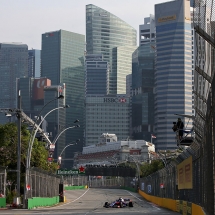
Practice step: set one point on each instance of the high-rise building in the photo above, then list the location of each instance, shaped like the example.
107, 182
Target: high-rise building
106, 114
147, 30
173, 76
13, 65
105, 31
121, 67
62, 61
34, 63
143, 70
97, 75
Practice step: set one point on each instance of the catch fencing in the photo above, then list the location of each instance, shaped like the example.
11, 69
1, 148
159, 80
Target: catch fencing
43, 184
164, 183
3, 178
79, 180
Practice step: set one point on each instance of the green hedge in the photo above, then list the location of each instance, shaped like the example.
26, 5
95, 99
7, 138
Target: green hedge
42, 201
2, 202
74, 187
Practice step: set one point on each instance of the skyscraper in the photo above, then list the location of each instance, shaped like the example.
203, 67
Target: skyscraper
34, 63
147, 30
97, 75
13, 65
62, 61
143, 70
173, 76
121, 67
105, 31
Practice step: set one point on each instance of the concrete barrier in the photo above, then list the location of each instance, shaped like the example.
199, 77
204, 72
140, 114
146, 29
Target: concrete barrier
75, 187
183, 207
42, 202
2, 202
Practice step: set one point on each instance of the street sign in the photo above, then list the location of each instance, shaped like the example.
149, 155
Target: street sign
28, 187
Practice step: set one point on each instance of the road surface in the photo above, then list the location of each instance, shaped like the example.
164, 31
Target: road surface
91, 201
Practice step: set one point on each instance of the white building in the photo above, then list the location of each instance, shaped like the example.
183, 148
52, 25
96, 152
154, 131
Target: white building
110, 151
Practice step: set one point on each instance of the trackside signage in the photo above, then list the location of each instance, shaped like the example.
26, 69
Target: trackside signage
67, 172
79, 171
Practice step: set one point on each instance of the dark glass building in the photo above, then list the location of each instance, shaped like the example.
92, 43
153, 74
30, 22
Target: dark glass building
143, 69
13, 65
34, 63
97, 75
62, 61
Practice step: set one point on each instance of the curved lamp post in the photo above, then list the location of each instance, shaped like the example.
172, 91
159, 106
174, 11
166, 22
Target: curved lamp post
75, 126
70, 144
39, 115
33, 138
28, 158
58, 135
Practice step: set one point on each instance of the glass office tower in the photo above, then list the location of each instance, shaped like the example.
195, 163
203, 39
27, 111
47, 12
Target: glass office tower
62, 61
143, 70
97, 75
105, 31
34, 63
121, 67
13, 65
173, 76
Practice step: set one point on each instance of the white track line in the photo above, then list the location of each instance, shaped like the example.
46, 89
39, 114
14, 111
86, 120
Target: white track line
152, 204
72, 201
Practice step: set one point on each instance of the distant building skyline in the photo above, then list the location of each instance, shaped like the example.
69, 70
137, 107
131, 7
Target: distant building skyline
173, 76
13, 65
105, 32
97, 75
62, 61
143, 71
34, 63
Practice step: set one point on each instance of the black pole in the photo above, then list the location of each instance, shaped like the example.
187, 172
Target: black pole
19, 144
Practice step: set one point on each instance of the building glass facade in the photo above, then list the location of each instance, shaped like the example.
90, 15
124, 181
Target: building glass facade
13, 65
105, 31
106, 114
62, 61
121, 67
34, 63
97, 75
143, 70
173, 77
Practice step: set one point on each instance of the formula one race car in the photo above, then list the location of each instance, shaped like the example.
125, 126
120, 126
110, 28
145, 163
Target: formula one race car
119, 203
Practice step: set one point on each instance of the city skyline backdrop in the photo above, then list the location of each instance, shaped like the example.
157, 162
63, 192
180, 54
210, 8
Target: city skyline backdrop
26, 21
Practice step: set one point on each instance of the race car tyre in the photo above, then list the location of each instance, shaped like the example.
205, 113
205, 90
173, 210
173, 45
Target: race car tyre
130, 204
106, 204
121, 204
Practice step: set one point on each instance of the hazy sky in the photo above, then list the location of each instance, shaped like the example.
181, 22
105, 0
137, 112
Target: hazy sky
25, 20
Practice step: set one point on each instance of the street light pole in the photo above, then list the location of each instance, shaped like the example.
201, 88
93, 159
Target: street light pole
58, 135
19, 146
28, 158
70, 144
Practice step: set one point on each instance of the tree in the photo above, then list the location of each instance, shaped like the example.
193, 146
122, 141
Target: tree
8, 151
149, 168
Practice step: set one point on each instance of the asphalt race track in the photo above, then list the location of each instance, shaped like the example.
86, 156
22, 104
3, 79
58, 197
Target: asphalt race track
91, 201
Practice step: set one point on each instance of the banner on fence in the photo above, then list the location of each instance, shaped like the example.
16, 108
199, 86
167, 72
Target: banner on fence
142, 186
185, 176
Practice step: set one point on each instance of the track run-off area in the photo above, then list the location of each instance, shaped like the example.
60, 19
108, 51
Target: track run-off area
90, 202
